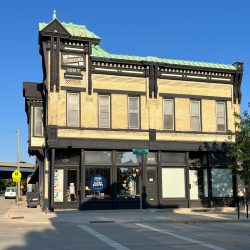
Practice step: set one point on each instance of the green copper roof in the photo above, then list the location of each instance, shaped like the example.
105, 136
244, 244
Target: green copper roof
97, 51
74, 30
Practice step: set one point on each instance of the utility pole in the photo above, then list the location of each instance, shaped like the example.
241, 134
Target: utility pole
140, 152
18, 166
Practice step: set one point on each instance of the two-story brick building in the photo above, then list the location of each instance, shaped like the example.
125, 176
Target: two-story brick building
93, 107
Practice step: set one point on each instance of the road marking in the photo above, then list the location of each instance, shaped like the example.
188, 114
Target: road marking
103, 238
163, 231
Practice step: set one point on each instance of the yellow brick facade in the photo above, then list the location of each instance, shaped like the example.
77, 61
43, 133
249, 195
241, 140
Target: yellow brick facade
57, 108
151, 109
119, 111
182, 121
194, 88
110, 82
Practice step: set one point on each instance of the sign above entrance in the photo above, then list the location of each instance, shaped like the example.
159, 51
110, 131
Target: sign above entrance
140, 151
97, 183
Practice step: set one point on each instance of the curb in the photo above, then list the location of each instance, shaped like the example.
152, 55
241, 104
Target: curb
210, 221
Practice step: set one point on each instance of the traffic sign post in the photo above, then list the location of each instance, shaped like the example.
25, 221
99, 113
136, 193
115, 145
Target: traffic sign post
16, 179
140, 152
16, 176
18, 193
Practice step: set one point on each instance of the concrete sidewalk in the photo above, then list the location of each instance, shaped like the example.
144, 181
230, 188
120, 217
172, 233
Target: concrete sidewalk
22, 213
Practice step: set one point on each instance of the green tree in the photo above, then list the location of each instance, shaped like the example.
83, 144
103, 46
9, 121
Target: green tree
6, 183
240, 150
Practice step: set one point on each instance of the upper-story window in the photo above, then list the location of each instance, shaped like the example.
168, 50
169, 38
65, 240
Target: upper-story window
168, 114
38, 121
195, 116
133, 112
73, 108
221, 116
104, 111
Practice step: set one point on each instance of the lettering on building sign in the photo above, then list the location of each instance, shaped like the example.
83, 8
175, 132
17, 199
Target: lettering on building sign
72, 60
73, 70
73, 63
65, 160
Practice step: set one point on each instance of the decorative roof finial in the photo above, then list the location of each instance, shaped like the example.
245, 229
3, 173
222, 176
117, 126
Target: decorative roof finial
54, 14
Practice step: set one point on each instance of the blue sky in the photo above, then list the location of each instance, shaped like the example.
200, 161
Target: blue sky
211, 30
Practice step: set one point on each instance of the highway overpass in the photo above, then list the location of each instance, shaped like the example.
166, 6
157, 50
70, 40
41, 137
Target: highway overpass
6, 169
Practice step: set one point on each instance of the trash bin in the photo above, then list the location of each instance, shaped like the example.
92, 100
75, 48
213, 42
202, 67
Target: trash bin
33, 199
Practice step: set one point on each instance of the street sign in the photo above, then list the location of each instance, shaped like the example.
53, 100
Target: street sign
16, 176
137, 151
16, 179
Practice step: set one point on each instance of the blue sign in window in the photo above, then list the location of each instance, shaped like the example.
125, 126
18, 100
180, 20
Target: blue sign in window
97, 183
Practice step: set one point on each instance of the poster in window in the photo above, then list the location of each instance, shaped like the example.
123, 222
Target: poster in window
58, 185
97, 183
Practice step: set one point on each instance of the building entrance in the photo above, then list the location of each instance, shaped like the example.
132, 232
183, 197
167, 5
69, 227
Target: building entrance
71, 188
66, 184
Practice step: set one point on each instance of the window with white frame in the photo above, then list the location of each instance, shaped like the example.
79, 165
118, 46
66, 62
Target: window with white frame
73, 108
38, 121
168, 114
221, 116
195, 119
104, 111
133, 112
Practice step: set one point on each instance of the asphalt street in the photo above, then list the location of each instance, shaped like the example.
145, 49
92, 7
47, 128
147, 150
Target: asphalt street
15, 235
18, 234
5, 204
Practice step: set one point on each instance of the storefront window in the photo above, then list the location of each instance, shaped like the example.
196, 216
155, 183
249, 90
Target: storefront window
97, 183
127, 183
173, 183
58, 185
222, 183
98, 157
171, 157
127, 158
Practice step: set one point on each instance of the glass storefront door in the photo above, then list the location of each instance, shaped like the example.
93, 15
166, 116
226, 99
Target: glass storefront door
198, 189
193, 182
66, 182
71, 188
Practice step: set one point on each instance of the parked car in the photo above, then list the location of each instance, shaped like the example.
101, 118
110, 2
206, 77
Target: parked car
10, 192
